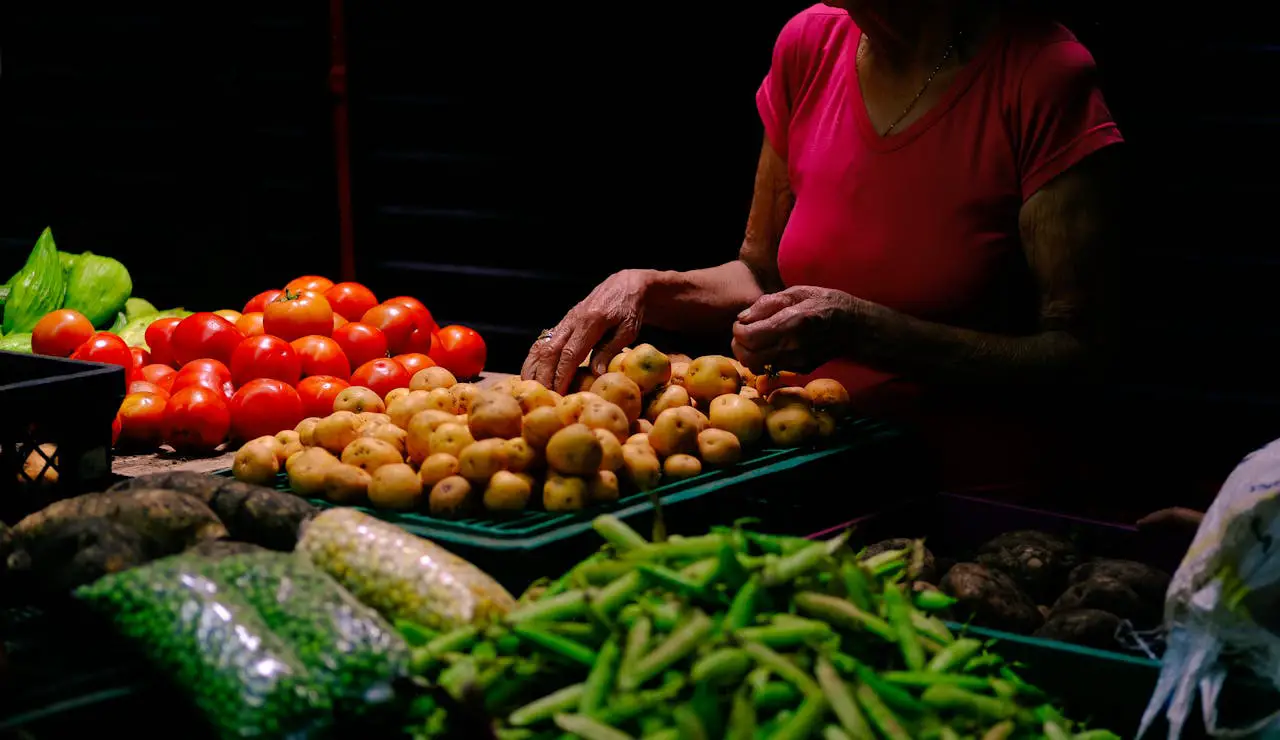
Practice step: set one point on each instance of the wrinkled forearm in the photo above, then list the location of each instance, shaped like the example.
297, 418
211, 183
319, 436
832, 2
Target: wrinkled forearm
708, 299
946, 355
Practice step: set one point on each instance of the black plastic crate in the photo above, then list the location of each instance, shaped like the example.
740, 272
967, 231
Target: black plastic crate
67, 406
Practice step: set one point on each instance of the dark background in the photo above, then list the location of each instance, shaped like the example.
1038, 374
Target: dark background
506, 158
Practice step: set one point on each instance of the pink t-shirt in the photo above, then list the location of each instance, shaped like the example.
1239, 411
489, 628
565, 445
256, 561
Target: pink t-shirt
925, 221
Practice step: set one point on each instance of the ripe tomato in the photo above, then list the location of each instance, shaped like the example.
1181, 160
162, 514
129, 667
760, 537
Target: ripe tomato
381, 376
350, 300
204, 373
317, 393
141, 358
414, 361
59, 333
360, 342
321, 356
393, 320
146, 386
107, 348
294, 315
419, 341
339, 321
257, 303
205, 334
142, 419
459, 350
196, 420
250, 324
159, 336
161, 375
308, 282
421, 316
264, 406
264, 357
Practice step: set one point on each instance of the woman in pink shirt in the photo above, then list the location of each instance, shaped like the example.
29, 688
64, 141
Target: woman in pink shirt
926, 227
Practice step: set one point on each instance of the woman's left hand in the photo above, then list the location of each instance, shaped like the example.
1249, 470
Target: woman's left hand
796, 329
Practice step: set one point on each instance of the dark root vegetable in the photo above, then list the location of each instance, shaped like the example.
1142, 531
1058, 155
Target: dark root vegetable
991, 598
1089, 627
1149, 583
1038, 562
928, 571
1109, 594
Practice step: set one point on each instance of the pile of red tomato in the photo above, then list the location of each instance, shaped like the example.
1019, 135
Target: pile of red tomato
244, 374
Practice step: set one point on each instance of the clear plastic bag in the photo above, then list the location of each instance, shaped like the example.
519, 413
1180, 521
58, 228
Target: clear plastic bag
210, 642
351, 651
1223, 605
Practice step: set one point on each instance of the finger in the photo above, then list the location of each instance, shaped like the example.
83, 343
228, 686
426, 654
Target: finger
755, 360
766, 306
573, 352
625, 333
546, 353
769, 330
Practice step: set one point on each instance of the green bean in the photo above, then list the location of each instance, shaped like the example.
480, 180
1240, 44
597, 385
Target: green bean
600, 679
946, 696
925, 679
742, 718
1054, 731
900, 620
580, 631
789, 567
617, 533
855, 585
669, 733
881, 716
672, 580
723, 666
776, 695
933, 601
1021, 685
1001, 731
946, 733
676, 549
805, 721
884, 562
892, 695
785, 635
604, 572
728, 570
636, 644
831, 732
784, 668
931, 627
690, 725
415, 634
777, 544
956, 654
666, 615
589, 729
842, 702
986, 660
543, 708
702, 571
842, 614
679, 644
742, 610
563, 647
612, 597
567, 605
1094, 735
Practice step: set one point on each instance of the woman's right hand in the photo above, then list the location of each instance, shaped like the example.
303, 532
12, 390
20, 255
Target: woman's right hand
605, 321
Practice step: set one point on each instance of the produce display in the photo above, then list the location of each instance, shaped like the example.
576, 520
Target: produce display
1037, 583
731, 634
456, 450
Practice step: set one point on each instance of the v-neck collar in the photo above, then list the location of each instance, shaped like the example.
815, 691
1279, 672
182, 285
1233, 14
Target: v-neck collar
959, 85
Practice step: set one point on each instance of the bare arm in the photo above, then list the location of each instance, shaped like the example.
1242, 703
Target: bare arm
1065, 228
712, 297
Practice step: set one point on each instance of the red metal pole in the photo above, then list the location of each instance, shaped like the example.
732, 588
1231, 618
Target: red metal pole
341, 137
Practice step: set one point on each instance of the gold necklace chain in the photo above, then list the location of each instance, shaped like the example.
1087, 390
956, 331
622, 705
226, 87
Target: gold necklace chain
946, 54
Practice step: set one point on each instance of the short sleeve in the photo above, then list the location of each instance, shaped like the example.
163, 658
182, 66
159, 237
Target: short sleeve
1062, 117
780, 89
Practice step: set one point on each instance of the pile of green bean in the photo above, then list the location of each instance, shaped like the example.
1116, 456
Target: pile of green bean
733, 634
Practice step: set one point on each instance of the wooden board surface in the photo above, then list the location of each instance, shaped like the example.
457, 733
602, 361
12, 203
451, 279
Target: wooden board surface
166, 459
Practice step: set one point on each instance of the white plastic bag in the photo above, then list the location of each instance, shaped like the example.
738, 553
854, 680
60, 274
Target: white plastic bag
1223, 604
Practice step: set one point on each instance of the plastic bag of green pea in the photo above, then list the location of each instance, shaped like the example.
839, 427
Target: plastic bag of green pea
352, 652
211, 643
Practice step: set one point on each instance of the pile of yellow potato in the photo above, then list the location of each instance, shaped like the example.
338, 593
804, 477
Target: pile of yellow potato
651, 419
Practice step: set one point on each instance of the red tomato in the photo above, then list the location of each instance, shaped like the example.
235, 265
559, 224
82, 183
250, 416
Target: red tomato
351, 300
146, 386
265, 357
360, 342
257, 303
196, 420
264, 406
59, 333
421, 316
106, 348
229, 314
414, 361
161, 375
393, 320
381, 376
419, 341
204, 373
142, 419
250, 324
308, 282
338, 321
459, 350
141, 358
294, 315
205, 334
159, 338
321, 356
317, 393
